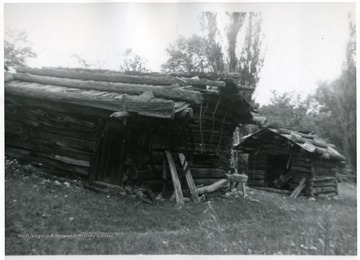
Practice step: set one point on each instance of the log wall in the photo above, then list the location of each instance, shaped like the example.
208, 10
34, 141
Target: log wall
320, 175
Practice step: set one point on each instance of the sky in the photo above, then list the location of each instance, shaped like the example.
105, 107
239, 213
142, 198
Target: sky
303, 43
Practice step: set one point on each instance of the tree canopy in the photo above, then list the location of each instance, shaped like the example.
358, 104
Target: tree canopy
214, 52
288, 110
187, 55
17, 49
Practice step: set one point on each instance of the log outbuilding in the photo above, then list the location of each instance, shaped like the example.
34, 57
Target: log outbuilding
290, 160
110, 126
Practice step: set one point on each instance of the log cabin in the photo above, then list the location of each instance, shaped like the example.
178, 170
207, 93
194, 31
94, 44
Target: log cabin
285, 159
107, 126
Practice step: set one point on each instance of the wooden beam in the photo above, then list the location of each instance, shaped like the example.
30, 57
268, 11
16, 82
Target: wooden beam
100, 75
175, 178
114, 102
189, 178
213, 187
202, 82
105, 85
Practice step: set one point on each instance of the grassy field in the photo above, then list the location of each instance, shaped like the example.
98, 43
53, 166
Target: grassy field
49, 217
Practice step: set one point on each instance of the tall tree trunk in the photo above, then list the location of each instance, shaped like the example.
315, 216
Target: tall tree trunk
237, 20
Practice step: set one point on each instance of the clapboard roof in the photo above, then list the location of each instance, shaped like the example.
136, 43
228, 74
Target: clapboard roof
147, 94
307, 142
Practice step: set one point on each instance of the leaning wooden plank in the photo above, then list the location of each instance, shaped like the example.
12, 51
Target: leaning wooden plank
176, 182
132, 89
213, 187
163, 109
189, 178
299, 188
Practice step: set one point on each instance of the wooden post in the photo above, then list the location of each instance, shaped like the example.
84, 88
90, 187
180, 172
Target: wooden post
243, 189
175, 178
164, 178
189, 178
123, 151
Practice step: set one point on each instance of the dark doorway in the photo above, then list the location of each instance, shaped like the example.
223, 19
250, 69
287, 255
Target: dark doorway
108, 162
277, 167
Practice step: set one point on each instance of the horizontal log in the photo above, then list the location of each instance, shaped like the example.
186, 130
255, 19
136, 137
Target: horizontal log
46, 126
325, 184
202, 82
100, 75
325, 189
132, 89
47, 146
237, 177
205, 182
300, 169
326, 195
61, 140
323, 178
213, 187
165, 109
38, 158
75, 110
286, 192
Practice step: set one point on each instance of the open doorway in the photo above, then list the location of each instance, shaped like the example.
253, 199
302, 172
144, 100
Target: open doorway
277, 167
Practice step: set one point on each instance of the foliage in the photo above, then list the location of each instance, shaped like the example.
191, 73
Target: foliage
213, 49
251, 59
133, 62
217, 53
337, 104
237, 20
17, 49
187, 55
288, 111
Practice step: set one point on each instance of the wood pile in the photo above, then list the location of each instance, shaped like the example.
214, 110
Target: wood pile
71, 121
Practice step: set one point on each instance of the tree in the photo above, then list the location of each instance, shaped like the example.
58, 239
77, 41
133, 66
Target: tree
213, 49
288, 111
17, 49
251, 59
187, 55
216, 53
133, 62
337, 102
237, 20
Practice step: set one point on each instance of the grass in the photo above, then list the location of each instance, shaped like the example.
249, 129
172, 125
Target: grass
267, 223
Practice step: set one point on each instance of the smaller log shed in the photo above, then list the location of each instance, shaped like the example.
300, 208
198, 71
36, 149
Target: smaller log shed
100, 125
282, 158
